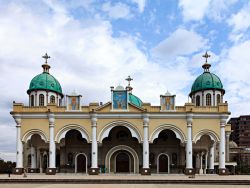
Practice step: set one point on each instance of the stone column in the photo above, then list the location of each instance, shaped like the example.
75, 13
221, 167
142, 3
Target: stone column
19, 145
33, 159
211, 159
52, 146
227, 146
206, 156
189, 146
145, 169
222, 157
201, 158
94, 147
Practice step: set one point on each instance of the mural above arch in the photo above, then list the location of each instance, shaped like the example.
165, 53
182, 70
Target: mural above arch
63, 131
213, 136
178, 132
106, 130
27, 136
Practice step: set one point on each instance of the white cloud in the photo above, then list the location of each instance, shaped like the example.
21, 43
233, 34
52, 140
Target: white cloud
241, 20
141, 4
180, 42
234, 71
196, 10
117, 11
193, 9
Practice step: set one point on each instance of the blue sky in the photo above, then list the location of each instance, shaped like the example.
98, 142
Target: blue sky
96, 44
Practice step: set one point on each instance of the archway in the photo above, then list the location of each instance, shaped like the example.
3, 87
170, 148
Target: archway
123, 162
74, 150
169, 152
163, 163
81, 163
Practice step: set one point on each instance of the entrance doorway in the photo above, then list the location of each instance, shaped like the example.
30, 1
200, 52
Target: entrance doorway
80, 163
122, 162
163, 164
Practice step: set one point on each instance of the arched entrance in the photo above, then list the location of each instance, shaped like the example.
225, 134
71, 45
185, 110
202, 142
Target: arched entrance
163, 163
81, 163
122, 162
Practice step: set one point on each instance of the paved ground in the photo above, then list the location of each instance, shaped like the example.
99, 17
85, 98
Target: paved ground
116, 186
128, 177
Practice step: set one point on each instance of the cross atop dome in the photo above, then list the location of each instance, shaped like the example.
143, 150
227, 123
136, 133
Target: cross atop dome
45, 66
46, 57
129, 88
206, 65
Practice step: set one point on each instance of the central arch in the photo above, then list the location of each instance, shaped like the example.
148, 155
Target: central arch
132, 128
122, 148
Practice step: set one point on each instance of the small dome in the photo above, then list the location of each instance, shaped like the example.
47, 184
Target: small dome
120, 88
45, 81
206, 81
135, 100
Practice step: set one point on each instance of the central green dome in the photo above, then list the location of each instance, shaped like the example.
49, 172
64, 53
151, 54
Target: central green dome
206, 81
135, 100
45, 81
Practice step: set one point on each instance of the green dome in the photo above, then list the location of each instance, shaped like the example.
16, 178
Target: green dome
135, 100
45, 81
206, 81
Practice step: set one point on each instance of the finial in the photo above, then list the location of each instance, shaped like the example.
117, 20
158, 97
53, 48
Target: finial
206, 65
46, 57
129, 79
206, 55
45, 66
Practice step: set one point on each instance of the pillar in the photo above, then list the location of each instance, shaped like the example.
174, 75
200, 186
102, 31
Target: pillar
94, 170
227, 146
189, 146
19, 146
206, 156
52, 146
211, 159
145, 169
222, 157
33, 159
201, 158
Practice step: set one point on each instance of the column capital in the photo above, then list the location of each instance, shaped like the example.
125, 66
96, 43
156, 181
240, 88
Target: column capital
223, 119
93, 117
145, 119
189, 119
18, 119
51, 118
228, 133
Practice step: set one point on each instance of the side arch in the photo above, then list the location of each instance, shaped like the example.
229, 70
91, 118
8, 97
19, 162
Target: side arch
107, 128
27, 136
62, 132
178, 132
120, 148
210, 133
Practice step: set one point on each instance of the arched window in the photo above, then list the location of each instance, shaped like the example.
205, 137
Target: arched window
218, 99
208, 99
52, 99
198, 101
32, 100
41, 100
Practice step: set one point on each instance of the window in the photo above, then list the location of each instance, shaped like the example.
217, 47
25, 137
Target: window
52, 99
208, 99
32, 100
198, 100
218, 99
41, 100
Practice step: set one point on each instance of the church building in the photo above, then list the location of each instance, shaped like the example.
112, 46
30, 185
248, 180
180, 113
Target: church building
57, 134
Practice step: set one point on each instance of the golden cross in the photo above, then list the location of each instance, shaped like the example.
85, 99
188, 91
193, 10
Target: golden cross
129, 79
206, 55
46, 57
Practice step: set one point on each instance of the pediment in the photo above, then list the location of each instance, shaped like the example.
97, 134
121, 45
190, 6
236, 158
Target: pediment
107, 107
